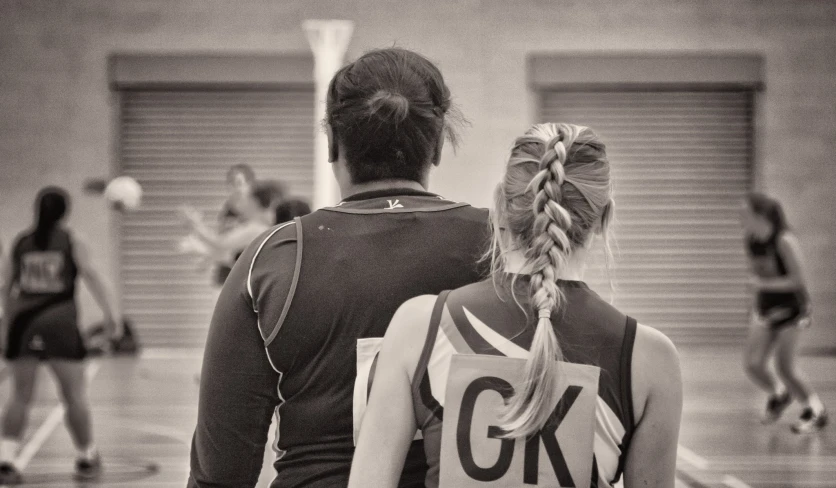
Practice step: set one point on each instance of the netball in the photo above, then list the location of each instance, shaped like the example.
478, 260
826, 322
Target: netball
124, 193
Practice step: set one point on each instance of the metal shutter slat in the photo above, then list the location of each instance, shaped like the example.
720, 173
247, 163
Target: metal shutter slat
681, 167
179, 146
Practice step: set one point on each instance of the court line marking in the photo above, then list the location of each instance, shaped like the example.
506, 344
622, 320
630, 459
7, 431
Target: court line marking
701, 463
39, 437
170, 433
45, 430
113, 464
692, 458
678, 483
734, 482
688, 480
812, 466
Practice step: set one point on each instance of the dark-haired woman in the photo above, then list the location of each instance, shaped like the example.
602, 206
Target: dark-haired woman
302, 315
529, 378
780, 311
39, 283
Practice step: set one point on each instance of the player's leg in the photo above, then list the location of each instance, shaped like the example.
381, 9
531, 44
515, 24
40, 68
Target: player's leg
761, 343
759, 348
15, 415
814, 415
73, 386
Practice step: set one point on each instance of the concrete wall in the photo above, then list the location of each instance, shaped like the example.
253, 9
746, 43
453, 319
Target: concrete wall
57, 122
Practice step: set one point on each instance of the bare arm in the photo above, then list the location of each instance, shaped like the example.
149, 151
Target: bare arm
235, 239
386, 437
5, 291
238, 238
96, 284
657, 399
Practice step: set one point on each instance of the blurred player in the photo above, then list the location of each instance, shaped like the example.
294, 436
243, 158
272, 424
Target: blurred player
240, 179
529, 350
256, 214
781, 310
39, 283
301, 316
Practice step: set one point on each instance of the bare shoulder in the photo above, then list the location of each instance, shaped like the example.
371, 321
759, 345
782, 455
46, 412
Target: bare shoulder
412, 319
654, 342
655, 368
79, 244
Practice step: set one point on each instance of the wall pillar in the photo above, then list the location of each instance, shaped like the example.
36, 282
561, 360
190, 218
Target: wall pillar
329, 41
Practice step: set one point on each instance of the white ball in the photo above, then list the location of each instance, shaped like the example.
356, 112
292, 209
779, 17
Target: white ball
124, 192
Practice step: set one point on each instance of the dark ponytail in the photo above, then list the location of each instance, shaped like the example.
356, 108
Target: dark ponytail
52, 205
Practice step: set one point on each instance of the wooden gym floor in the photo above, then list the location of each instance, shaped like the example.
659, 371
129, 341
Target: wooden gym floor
144, 409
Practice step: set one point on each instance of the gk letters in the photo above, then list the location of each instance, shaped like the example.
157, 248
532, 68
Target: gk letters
472, 450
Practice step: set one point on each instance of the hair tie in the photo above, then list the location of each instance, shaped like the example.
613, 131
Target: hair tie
544, 313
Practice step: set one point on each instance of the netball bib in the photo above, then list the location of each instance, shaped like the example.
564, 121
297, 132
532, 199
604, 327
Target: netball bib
473, 454
42, 272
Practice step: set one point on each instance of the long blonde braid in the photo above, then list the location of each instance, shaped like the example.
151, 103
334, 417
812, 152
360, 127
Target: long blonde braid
532, 404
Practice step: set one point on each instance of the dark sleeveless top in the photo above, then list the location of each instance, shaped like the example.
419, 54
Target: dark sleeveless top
42, 277
766, 258
357, 262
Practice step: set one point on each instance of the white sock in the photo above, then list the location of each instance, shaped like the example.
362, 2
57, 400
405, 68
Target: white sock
779, 389
813, 402
88, 453
8, 449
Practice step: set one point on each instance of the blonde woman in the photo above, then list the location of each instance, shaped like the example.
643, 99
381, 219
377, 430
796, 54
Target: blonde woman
528, 377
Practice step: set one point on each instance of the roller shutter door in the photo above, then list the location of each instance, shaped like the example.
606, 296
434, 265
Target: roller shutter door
179, 146
681, 163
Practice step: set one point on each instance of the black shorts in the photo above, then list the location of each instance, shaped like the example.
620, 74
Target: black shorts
781, 309
51, 333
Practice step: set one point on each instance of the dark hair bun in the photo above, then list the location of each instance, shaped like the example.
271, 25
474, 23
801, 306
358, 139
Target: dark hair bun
388, 106
388, 112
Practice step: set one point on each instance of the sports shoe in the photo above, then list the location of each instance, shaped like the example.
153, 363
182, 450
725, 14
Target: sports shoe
775, 406
9, 475
88, 469
810, 421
